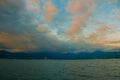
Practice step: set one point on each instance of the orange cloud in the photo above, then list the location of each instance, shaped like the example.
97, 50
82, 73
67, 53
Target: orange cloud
74, 6
115, 45
104, 35
16, 42
49, 10
79, 18
75, 38
99, 32
98, 35
50, 34
41, 28
112, 41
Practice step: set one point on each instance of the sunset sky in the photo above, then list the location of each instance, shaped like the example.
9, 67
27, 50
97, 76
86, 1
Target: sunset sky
59, 25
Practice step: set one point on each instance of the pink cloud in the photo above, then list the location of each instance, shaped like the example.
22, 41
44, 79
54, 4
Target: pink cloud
76, 6
49, 10
106, 36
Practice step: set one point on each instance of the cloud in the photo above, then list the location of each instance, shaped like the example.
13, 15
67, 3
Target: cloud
115, 13
33, 5
28, 25
16, 42
41, 28
112, 40
98, 35
2, 2
114, 45
74, 6
12, 4
49, 10
112, 1
81, 14
105, 36
99, 32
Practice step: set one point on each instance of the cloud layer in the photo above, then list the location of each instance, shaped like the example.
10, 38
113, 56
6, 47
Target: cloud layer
59, 25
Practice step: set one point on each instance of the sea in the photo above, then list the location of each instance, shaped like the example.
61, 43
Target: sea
92, 69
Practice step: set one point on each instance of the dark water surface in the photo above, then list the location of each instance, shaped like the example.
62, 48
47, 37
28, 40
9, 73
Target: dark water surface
103, 69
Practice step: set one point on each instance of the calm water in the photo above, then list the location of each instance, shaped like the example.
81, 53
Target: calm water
106, 69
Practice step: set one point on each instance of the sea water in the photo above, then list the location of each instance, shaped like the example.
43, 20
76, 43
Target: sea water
96, 69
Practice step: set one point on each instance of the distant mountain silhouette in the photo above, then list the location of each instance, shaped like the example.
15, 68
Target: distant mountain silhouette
57, 55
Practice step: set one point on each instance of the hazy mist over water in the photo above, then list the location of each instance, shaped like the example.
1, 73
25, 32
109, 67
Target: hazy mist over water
103, 69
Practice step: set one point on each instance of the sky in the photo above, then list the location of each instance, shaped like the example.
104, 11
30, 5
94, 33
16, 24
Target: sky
59, 25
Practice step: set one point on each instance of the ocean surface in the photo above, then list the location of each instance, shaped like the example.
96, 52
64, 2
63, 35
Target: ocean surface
99, 69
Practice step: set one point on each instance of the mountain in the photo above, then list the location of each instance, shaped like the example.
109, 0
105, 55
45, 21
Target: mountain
57, 55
